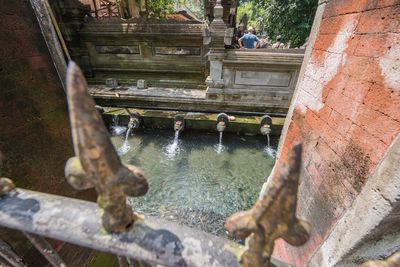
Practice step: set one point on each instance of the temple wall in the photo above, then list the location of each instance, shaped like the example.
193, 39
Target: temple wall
167, 55
259, 76
345, 110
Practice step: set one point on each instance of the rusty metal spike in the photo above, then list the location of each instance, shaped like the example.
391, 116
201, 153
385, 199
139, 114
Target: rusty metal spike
96, 163
6, 186
272, 217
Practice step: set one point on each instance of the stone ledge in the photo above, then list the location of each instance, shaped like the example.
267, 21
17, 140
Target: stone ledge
163, 119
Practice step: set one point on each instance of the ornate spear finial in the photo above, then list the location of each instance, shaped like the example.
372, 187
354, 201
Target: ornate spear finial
272, 217
96, 163
6, 185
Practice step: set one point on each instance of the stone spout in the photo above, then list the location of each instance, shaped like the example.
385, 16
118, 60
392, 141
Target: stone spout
222, 122
179, 123
135, 120
265, 125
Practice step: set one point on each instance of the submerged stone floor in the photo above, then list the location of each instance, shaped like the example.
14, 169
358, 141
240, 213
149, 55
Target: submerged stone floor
195, 178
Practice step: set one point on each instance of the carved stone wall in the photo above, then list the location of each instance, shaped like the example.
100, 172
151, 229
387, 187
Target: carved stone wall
345, 111
259, 76
165, 54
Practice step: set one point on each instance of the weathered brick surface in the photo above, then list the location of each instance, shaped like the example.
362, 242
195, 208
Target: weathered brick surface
347, 112
34, 128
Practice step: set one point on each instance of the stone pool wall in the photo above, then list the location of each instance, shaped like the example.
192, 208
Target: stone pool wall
346, 112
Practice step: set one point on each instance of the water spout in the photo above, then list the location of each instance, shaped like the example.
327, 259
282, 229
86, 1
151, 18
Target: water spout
135, 121
222, 122
265, 129
179, 123
265, 125
221, 126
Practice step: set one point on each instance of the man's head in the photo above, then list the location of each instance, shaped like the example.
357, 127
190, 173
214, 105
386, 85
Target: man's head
250, 30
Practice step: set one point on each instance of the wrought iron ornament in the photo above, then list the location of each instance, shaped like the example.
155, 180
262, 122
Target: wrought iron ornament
272, 217
96, 163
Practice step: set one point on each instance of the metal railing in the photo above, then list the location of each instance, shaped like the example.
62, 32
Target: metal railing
105, 8
124, 232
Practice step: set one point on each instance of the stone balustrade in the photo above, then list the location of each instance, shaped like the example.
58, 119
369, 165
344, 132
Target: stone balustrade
258, 76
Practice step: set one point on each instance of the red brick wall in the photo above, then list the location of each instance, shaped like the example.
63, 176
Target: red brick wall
347, 111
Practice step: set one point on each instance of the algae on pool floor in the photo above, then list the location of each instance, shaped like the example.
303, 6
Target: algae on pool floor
194, 181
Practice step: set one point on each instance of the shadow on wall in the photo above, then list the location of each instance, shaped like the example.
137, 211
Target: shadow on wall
34, 136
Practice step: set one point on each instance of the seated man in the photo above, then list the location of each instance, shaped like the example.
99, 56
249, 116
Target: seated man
249, 40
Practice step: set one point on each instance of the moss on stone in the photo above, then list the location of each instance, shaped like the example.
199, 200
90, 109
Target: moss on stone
161, 119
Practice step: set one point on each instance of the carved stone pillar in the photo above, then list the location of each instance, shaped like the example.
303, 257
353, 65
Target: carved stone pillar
217, 36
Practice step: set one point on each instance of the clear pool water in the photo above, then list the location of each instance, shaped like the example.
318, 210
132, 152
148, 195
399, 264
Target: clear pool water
194, 179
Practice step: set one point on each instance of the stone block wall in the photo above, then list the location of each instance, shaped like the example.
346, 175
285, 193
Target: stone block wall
166, 55
260, 77
346, 111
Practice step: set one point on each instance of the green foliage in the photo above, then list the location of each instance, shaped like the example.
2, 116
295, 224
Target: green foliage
290, 18
250, 10
159, 8
194, 7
